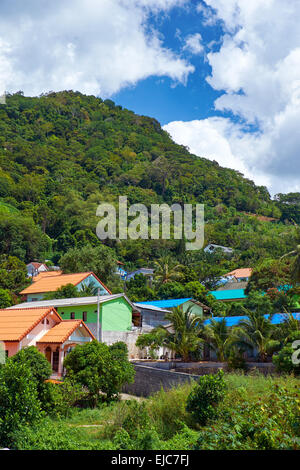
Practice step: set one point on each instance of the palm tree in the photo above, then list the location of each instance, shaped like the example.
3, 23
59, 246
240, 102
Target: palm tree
255, 333
217, 335
296, 264
167, 270
88, 290
183, 333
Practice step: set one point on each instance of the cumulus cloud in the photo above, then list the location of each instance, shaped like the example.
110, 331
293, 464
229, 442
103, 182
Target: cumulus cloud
258, 69
193, 44
95, 46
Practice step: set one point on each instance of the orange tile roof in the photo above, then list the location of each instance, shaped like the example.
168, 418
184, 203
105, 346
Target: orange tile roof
46, 274
17, 323
61, 332
238, 273
52, 283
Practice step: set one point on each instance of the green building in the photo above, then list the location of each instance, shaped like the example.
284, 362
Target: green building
115, 312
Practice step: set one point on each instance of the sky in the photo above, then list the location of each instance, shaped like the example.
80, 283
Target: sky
222, 76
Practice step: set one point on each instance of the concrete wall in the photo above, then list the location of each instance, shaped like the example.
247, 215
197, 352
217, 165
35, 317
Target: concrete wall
128, 337
149, 380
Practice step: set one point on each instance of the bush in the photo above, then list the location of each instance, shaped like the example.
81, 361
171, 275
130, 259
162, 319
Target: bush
39, 367
268, 423
59, 399
236, 360
283, 360
205, 396
19, 403
98, 368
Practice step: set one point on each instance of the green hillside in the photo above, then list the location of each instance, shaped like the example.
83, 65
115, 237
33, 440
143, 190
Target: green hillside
64, 153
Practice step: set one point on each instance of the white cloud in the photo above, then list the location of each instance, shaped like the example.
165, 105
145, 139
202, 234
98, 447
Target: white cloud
95, 46
258, 68
193, 43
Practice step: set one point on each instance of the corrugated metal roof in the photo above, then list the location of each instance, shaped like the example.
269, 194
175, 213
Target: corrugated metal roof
72, 302
169, 303
233, 294
150, 307
234, 321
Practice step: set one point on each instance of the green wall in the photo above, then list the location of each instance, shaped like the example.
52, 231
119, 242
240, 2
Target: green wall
115, 315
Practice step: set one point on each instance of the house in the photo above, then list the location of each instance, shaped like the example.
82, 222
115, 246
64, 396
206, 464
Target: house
44, 328
211, 248
147, 272
151, 316
120, 271
117, 316
33, 269
239, 275
233, 286
196, 307
46, 282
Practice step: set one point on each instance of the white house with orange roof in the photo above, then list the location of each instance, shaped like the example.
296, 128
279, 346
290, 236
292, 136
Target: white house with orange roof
45, 329
51, 281
239, 275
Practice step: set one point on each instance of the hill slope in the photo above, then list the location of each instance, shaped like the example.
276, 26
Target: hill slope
63, 153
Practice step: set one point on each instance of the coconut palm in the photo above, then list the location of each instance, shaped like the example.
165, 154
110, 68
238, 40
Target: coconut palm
167, 270
255, 333
183, 333
296, 264
217, 335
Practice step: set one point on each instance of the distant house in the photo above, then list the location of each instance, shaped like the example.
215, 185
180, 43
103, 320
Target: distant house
211, 248
51, 281
196, 307
120, 271
147, 272
33, 269
233, 286
240, 275
44, 328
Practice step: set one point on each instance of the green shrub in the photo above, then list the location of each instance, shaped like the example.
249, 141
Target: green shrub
268, 423
59, 399
100, 369
205, 396
19, 403
167, 410
283, 360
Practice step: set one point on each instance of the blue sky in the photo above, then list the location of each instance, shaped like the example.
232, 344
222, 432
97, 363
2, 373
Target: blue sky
163, 98
222, 76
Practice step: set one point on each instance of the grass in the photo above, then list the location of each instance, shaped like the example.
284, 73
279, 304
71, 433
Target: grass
163, 416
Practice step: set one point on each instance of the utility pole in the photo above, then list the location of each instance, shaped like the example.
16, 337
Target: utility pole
99, 328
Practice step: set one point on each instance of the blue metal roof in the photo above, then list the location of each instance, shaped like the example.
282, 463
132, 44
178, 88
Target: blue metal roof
233, 321
233, 294
169, 303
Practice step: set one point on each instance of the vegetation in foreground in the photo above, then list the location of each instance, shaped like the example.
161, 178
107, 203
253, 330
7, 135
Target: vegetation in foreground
231, 411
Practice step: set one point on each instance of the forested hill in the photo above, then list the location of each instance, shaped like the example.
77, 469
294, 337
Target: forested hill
63, 153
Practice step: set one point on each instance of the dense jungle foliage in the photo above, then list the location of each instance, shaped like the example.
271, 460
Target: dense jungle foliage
62, 154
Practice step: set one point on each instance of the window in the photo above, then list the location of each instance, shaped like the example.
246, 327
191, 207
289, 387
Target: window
72, 315
62, 313
84, 316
